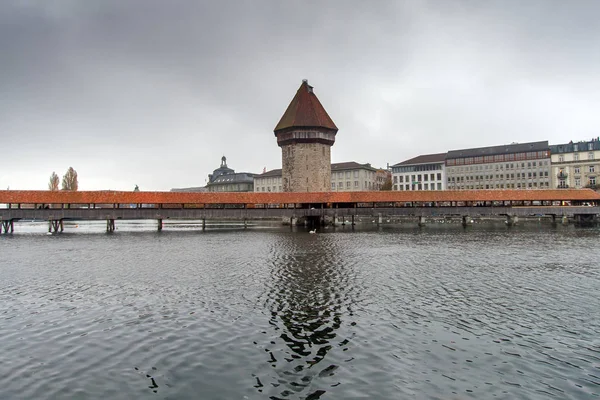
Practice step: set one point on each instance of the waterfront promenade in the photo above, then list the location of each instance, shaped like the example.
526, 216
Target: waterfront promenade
580, 204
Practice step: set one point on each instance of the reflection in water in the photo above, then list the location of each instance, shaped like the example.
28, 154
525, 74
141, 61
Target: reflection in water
390, 313
309, 296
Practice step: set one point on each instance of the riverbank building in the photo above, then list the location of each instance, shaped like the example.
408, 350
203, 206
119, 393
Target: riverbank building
512, 166
576, 164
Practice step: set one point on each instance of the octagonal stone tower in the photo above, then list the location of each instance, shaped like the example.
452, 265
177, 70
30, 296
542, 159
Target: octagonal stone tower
305, 134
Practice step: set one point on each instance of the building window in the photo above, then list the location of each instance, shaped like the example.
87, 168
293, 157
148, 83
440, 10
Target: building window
577, 182
576, 170
592, 168
592, 181
561, 158
356, 174
355, 184
591, 155
576, 157
401, 179
348, 184
426, 185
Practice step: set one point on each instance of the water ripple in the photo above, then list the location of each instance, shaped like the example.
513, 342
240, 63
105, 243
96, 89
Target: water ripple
272, 313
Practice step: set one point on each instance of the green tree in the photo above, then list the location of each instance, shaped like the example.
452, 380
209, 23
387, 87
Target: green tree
54, 182
69, 181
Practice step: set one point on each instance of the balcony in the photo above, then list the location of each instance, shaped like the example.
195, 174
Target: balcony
562, 175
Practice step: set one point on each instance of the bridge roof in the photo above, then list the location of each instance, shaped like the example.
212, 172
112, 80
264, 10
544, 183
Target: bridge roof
114, 197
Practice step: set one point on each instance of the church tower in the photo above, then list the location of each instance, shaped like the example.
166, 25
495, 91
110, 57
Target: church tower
305, 134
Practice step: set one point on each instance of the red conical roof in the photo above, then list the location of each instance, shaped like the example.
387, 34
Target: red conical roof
305, 110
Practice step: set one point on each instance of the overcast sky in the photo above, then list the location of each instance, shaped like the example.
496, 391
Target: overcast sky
153, 92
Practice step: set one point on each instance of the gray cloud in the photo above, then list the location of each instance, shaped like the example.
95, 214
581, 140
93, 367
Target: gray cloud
153, 93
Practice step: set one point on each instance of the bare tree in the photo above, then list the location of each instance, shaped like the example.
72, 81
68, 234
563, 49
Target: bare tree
54, 182
69, 181
387, 185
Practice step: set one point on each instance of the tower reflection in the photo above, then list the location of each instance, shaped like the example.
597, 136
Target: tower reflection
309, 297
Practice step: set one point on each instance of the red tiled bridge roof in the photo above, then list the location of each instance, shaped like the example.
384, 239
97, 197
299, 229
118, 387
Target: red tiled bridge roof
114, 197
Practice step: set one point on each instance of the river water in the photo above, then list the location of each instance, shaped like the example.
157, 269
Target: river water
395, 312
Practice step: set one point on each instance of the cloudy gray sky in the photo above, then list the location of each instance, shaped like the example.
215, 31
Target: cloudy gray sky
153, 92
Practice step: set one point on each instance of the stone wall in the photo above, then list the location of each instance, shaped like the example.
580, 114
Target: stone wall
306, 167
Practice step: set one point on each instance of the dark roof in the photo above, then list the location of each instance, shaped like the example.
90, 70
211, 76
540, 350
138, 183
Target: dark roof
424, 159
238, 177
503, 149
112, 197
305, 110
570, 147
350, 165
273, 172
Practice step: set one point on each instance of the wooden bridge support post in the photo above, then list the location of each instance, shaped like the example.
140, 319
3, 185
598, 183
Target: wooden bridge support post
203, 224
379, 219
8, 226
565, 220
110, 225
245, 223
160, 224
421, 221
353, 220
54, 225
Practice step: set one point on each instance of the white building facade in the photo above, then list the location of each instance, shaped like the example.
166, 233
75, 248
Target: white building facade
345, 177
514, 166
425, 172
576, 165
353, 177
269, 181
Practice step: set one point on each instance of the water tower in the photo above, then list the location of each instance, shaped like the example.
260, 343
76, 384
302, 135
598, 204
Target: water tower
305, 134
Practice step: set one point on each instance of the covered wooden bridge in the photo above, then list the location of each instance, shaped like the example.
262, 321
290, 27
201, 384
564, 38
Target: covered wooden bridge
57, 206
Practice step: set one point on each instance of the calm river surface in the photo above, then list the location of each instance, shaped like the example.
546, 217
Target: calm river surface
267, 313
